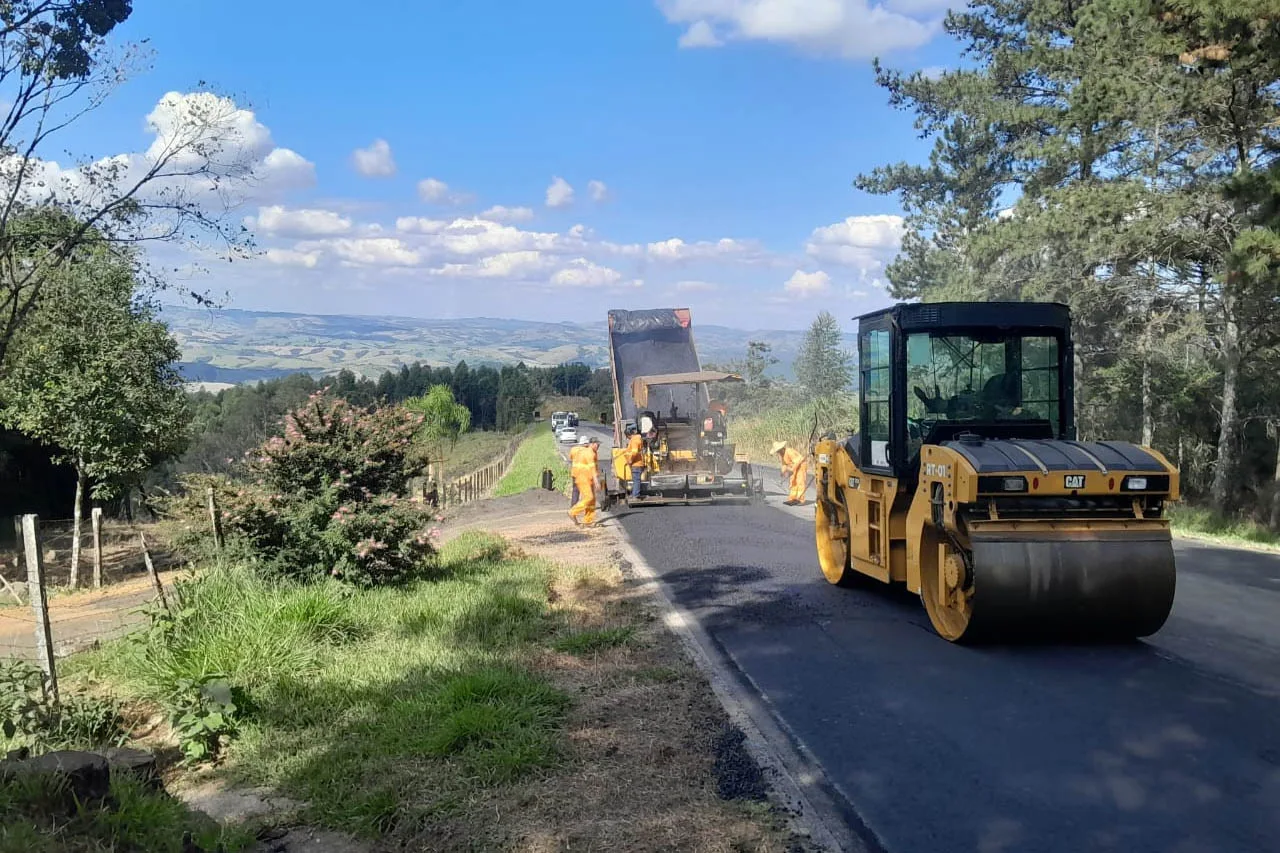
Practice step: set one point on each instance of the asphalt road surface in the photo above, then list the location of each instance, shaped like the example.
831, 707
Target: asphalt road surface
1171, 744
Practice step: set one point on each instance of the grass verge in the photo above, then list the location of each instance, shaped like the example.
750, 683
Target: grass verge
378, 708
507, 702
41, 815
535, 454
1204, 523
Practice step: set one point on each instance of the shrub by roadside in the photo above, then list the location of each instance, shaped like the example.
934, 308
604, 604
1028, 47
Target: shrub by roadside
326, 498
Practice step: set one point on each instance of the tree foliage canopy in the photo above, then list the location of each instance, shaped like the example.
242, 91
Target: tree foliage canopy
822, 366
1118, 156
93, 375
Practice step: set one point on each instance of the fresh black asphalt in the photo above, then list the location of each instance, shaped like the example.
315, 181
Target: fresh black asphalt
1171, 744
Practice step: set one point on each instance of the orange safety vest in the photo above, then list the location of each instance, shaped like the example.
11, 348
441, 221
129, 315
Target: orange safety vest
791, 460
635, 452
582, 459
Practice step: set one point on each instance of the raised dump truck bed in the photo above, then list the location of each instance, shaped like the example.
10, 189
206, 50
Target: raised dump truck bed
660, 389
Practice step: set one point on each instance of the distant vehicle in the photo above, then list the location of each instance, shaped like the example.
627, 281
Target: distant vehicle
568, 435
559, 419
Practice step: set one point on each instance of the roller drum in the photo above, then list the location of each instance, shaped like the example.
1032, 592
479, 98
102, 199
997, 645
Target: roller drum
1088, 584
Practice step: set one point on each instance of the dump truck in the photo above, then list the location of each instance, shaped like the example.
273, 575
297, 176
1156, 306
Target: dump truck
661, 391
965, 481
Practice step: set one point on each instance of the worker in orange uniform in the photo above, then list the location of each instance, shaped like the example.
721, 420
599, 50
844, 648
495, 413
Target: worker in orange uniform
635, 458
584, 471
797, 465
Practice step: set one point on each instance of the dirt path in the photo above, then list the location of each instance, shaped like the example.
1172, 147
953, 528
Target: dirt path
653, 762
80, 618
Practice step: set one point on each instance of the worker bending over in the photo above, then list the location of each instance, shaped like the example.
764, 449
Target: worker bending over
635, 458
797, 465
584, 470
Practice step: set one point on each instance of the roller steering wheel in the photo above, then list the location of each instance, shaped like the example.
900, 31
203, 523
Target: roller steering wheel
933, 405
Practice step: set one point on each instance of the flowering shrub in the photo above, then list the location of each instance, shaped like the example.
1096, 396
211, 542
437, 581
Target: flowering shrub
323, 498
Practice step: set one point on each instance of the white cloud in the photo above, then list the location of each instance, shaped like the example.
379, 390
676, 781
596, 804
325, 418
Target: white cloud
560, 193
292, 258
366, 251
502, 213
584, 273
277, 220
420, 225
481, 237
808, 283
436, 191
433, 190
700, 34
853, 29
696, 286
675, 250
858, 241
507, 265
206, 151
599, 191
375, 161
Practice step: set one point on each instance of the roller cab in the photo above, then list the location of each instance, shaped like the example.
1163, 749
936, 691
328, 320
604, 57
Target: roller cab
966, 482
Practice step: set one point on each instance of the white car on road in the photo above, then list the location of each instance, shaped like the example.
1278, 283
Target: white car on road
568, 435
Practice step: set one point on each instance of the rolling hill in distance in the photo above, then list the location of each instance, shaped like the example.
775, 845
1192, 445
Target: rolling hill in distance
235, 345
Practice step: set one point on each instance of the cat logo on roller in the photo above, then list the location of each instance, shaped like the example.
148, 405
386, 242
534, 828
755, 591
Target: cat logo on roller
966, 482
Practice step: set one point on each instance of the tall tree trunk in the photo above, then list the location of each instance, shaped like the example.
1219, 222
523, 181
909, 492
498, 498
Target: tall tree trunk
75, 524
1275, 484
1229, 430
1148, 402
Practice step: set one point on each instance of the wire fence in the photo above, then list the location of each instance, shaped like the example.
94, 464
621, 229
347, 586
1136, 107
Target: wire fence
48, 609
471, 486
121, 573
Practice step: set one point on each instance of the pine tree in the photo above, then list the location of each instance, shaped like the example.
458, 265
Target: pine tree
822, 366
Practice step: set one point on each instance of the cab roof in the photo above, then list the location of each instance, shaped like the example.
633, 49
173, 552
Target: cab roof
925, 316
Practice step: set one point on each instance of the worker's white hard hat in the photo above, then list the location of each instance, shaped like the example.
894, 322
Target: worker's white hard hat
582, 439
778, 447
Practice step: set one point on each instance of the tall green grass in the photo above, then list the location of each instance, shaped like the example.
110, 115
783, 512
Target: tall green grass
41, 814
534, 455
755, 431
376, 707
1201, 521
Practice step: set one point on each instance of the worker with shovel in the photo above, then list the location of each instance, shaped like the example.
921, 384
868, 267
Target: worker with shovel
795, 464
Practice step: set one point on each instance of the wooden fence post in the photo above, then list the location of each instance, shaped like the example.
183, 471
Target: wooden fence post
96, 520
213, 519
39, 604
151, 570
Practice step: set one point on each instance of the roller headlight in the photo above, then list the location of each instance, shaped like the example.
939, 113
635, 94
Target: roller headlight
1145, 483
988, 485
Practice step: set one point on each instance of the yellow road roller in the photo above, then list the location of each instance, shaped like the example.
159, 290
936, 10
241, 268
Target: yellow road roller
966, 483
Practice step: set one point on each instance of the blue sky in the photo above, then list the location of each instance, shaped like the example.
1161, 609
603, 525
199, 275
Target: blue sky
724, 136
